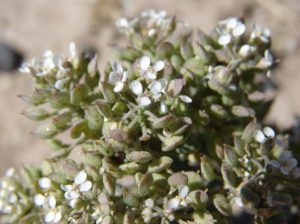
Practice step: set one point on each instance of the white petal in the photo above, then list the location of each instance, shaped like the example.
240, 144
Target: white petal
39, 200
136, 87
44, 183
144, 101
113, 77
245, 50
117, 67
155, 87
51, 201
260, 137
145, 62
119, 86
163, 83
292, 163
151, 32
275, 163
122, 23
183, 191
185, 98
149, 203
66, 187
231, 23
24, 68
156, 96
163, 107
150, 75
86, 186
285, 170
80, 177
269, 132
49, 217
59, 84
124, 76
224, 39
48, 54
72, 49
284, 156
10, 172
158, 66
239, 29
174, 203
57, 217
70, 195
238, 202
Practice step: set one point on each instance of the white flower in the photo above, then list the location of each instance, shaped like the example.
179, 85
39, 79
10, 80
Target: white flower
147, 71
230, 28
180, 200
262, 136
157, 88
10, 172
267, 61
246, 50
260, 33
144, 101
45, 183
73, 50
122, 23
155, 18
286, 162
117, 77
136, 87
79, 186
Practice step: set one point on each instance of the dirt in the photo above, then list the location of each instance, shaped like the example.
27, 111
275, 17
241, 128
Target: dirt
32, 26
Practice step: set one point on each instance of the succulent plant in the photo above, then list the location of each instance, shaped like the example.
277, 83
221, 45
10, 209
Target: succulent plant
170, 132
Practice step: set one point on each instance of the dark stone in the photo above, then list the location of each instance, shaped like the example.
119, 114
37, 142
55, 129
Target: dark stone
10, 58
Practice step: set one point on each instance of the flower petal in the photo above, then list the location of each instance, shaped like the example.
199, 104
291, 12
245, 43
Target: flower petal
80, 177
224, 39
117, 67
269, 132
185, 98
145, 62
119, 86
72, 49
284, 156
39, 199
158, 66
44, 183
275, 163
144, 101
239, 29
51, 201
136, 87
150, 75
57, 217
113, 77
86, 186
66, 187
183, 191
49, 217
155, 87
70, 195
260, 137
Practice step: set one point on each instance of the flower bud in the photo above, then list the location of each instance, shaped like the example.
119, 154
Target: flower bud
161, 164
177, 180
36, 114
109, 183
228, 175
207, 169
222, 205
172, 143
139, 156
241, 111
130, 199
145, 184
78, 94
46, 131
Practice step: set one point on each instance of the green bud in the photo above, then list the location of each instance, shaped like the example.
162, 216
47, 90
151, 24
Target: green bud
62, 120
207, 168
103, 108
228, 175
230, 156
164, 121
203, 118
139, 156
178, 180
186, 48
108, 94
175, 86
109, 183
249, 131
59, 100
36, 114
130, 168
94, 118
93, 159
220, 88
78, 129
222, 205
145, 184
104, 149
172, 143
46, 131
223, 75
241, 111
161, 164
56, 145
130, 199
164, 50
176, 62
78, 94
219, 111
195, 65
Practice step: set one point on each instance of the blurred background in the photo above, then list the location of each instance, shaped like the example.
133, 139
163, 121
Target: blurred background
28, 28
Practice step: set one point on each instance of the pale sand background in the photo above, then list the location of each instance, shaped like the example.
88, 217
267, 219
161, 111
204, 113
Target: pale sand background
36, 25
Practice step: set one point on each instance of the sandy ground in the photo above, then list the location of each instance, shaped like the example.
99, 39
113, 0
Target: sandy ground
36, 25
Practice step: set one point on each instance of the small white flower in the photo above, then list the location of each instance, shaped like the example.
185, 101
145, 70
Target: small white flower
147, 71
157, 88
180, 200
39, 200
122, 23
267, 61
80, 185
10, 172
286, 162
59, 84
262, 136
260, 33
45, 183
73, 50
144, 101
230, 28
117, 77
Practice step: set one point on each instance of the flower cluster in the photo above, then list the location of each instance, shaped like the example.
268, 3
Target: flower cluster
169, 131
